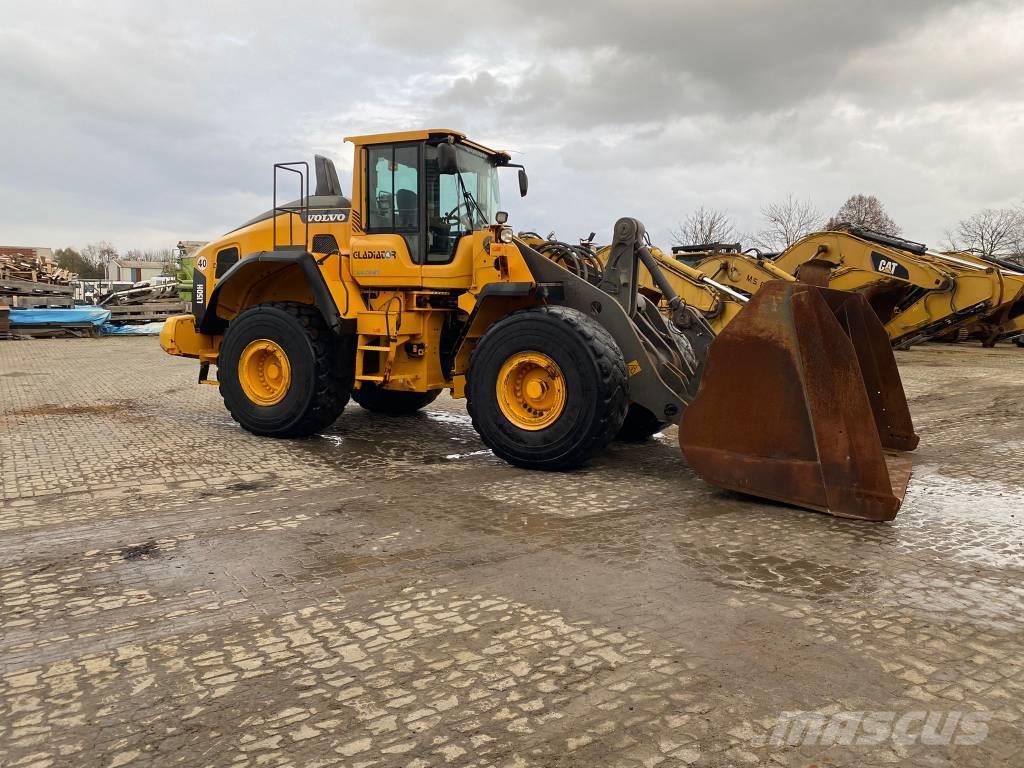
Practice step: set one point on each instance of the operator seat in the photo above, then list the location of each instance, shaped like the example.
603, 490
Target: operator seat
406, 208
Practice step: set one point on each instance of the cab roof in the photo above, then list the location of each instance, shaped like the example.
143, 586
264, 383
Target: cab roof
423, 135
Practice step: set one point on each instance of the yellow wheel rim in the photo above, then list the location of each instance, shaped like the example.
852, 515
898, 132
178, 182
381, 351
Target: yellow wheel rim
531, 390
264, 372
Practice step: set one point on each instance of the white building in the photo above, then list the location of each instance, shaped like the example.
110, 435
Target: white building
126, 271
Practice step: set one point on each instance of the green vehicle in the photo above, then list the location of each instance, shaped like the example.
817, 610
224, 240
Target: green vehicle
186, 250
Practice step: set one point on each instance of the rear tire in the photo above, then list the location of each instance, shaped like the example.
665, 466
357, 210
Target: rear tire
320, 370
640, 425
591, 386
394, 403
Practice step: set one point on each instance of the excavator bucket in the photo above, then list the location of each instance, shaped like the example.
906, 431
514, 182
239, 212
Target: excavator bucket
801, 402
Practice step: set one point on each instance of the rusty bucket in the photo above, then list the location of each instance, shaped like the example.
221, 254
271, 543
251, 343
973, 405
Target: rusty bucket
801, 402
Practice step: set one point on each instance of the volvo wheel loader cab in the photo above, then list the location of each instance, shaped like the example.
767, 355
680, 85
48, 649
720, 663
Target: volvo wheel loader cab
415, 283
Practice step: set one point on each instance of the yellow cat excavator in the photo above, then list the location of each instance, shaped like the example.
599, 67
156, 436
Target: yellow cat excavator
916, 293
417, 283
1006, 321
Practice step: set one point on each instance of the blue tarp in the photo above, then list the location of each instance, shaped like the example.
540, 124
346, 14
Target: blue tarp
36, 317
145, 329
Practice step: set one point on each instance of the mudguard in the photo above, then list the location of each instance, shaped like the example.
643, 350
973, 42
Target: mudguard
210, 323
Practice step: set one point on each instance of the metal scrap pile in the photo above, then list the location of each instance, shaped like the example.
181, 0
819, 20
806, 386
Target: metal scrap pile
143, 302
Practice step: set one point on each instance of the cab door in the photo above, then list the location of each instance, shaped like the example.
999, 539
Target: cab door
448, 244
388, 253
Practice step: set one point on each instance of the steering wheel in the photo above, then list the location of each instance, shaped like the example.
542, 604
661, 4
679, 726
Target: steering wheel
452, 217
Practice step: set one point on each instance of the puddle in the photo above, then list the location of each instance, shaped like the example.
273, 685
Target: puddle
965, 498
775, 574
456, 456
446, 417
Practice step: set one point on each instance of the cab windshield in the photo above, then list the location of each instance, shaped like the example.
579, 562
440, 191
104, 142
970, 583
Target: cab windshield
458, 204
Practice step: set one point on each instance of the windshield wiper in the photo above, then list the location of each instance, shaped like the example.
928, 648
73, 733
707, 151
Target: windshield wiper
468, 198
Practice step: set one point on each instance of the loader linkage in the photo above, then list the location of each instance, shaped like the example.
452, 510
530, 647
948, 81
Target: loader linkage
798, 399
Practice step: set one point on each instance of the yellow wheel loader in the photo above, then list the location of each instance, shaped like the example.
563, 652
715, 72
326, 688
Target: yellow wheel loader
417, 283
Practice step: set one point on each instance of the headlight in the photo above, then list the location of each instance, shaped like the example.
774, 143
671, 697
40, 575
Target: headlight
506, 235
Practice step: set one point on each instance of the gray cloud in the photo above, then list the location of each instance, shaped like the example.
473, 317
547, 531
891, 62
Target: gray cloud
142, 125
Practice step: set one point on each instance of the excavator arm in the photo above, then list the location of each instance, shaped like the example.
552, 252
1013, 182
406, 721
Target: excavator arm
1006, 320
915, 292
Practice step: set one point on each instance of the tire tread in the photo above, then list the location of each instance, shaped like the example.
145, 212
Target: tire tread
332, 386
613, 385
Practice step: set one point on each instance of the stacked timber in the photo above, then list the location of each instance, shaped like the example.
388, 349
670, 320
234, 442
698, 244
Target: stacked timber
24, 293
29, 277
32, 265
5, 322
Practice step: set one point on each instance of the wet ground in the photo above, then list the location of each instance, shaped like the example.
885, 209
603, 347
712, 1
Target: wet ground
174, 591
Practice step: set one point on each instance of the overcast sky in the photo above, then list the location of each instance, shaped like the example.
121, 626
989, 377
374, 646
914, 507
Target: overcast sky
143, 123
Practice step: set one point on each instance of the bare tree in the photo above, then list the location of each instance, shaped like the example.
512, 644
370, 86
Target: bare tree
99, 253
864, 211
703, 227
162, 255
990, 232
785, 222
73, 261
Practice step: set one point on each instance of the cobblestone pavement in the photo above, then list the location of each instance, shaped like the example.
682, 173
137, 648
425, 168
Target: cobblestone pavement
174, 591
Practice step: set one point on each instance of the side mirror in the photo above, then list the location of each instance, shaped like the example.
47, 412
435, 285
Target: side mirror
524, 182
447, 163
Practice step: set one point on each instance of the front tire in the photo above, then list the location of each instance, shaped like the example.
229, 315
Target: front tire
392, 402
281, 371
547, 388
